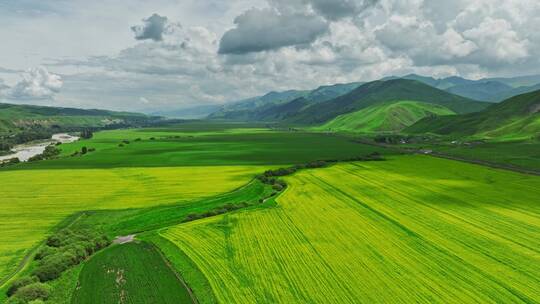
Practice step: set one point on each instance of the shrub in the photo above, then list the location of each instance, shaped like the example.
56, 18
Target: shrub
14, 300
277, 187
32, 292
52, 269
87, 134
84, 150
45, 251
192, 217
19, 283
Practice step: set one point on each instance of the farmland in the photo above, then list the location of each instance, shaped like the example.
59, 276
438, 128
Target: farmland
181, 146
49, 196
177, 166
412, 228
130, 273
374, 231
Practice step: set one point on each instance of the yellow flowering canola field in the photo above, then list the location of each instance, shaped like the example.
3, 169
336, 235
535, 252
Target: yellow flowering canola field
410, 229
32, 202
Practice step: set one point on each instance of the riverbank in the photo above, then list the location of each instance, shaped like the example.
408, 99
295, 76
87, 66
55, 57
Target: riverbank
25, 151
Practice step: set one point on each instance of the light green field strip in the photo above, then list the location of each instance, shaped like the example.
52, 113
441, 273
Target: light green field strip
33, 201
411, 229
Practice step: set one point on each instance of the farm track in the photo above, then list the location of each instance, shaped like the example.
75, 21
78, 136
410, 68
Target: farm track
487, 164
452, 157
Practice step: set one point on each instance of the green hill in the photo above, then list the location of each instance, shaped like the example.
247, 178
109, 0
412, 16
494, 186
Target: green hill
17, 117
514, 118
388, 117
23, 123
378, 92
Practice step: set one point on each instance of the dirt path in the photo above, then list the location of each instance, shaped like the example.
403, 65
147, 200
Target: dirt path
486, 163
124, 239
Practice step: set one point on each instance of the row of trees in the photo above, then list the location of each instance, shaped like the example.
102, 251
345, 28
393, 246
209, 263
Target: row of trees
62, 251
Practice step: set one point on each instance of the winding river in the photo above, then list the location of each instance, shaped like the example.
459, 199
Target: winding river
25, 151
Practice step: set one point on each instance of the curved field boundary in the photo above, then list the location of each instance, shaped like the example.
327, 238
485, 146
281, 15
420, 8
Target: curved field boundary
178, 276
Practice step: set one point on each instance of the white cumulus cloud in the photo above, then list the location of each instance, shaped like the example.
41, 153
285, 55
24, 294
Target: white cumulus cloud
36, 83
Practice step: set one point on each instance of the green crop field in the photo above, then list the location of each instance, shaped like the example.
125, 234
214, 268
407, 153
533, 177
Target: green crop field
34, 201
520, 154
129, 273
176, 147
410, 229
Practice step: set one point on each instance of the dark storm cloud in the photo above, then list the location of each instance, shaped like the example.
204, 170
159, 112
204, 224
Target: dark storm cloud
268, 29
153, 28
337, 9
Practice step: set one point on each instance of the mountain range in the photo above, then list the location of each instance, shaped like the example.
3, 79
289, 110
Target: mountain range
486, 89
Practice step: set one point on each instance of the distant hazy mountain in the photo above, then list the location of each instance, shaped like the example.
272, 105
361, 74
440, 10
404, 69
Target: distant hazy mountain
515, 82
189, 112
276, 106
242, 110
442, 83
378, 92
487, 89
514, 118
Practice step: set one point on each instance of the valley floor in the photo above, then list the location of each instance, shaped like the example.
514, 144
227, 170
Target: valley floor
413, 228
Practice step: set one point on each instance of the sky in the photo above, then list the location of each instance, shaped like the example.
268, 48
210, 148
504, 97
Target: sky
168, 54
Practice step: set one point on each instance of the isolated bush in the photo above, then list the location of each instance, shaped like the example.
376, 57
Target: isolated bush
32, 292
84, 150
54, 241
87, 134
19, 283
